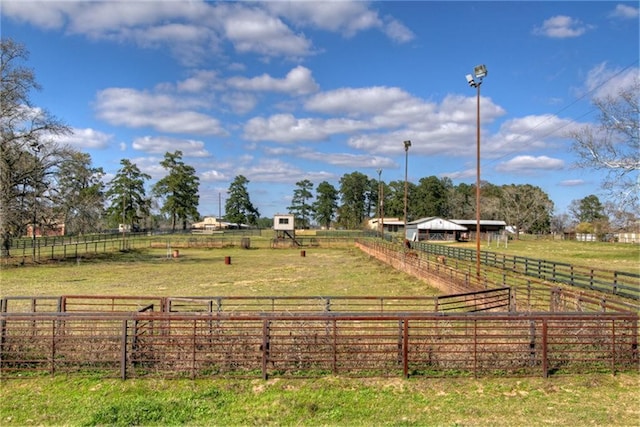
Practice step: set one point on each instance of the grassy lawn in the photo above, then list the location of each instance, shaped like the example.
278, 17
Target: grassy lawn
601, 400
595, 399
599, 255
203, 272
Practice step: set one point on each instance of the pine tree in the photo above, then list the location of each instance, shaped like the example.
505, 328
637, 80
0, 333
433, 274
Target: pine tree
179, 189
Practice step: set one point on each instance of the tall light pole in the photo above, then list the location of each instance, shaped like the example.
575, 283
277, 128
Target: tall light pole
407, 144
379, 213
219, 210
480, 72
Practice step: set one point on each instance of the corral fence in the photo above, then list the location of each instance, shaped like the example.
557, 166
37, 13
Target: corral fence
59, 248
450, 274
487, 300
264, 345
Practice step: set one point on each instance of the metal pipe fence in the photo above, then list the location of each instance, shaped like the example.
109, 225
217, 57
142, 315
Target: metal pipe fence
486, 300
265, 345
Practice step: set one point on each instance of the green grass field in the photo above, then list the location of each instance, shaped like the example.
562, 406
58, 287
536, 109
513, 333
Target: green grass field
599, 255
594, 399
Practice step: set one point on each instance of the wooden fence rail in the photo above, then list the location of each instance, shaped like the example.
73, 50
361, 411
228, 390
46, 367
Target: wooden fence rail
619, 283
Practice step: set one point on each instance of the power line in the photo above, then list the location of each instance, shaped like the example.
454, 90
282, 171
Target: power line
549, 117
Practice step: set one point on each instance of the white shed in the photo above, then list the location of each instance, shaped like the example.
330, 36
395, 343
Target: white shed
433, 228
284, 222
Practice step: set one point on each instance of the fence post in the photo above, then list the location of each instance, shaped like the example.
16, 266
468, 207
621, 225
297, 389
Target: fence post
634, 341
475, 348
545, 361
3, 337
405, 348
123, 352
532, 342
613, 346
265, 347
194, 345
53, 347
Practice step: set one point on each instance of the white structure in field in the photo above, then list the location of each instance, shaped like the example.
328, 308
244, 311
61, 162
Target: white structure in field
285, 230
284, 222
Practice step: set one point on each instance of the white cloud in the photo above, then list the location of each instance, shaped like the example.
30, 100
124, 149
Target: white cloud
200, 81
213, 176
398, 31
606, 81
253, 30
193, 29
85, 138
345, 17
162, 112
530, 132
162, 145
349, 160
287, 129
625, 12
561, 27
572, 182
240, 103
150, 165
47, 15
298, 81
529, 164
358, 101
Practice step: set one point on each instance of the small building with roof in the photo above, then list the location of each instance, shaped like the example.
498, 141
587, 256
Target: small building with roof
433, 228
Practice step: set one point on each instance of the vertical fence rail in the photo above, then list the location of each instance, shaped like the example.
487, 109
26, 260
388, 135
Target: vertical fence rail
123, 353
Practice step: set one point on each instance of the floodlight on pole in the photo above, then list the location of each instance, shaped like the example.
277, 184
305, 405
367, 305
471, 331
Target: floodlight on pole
407, 144
379, 213
480, 72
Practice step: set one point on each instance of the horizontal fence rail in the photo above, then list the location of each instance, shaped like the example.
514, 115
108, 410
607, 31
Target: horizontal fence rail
264, 345
487, 300
529, 293
619, 283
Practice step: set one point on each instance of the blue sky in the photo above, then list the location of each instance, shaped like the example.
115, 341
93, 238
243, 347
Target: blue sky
284, 91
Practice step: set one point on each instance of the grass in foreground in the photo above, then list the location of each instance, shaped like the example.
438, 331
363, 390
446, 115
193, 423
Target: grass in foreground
577, 400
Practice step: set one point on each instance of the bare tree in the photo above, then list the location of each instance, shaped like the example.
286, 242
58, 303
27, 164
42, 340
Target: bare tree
27, 153
614, 144
527, 208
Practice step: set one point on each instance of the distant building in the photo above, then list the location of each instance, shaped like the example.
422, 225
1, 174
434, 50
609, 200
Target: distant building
434, 228
211, 223
389, 225
439, 229
47, 230
486, 225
